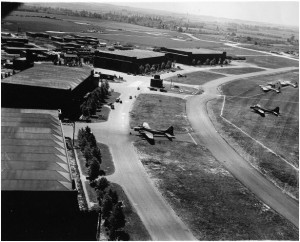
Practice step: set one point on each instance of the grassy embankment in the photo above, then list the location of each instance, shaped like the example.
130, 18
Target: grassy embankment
213, 204
277, 133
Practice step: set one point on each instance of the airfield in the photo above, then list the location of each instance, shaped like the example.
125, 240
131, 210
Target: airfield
262, 192
139, 187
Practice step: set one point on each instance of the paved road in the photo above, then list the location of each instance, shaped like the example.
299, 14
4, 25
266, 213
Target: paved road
206, 134
158, 217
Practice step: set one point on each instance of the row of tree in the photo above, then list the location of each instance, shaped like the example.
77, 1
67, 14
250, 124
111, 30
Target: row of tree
111, 209
156, 67
95, 99
91, 152
210, 62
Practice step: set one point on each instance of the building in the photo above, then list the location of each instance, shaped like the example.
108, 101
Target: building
127, 60
38, 192
156, 82
49, 86
192, 56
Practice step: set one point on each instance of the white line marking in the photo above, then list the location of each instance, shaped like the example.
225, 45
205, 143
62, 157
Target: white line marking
193, 139
221, 115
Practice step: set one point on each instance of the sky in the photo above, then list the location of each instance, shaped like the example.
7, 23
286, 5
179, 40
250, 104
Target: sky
276, 12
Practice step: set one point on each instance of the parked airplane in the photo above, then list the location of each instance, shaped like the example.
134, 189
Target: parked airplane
261, 111
149, 133
180, 75
270, 87
289, 83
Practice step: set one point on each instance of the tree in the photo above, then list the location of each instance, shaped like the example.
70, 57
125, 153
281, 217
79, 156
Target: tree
114, 196
207, 62
198, 62
193, 62
106, 206
153, 68
163, 65
94, 169
169, 64
87, 153
117, 217
180, 29
102, 184
141, 69
97, 154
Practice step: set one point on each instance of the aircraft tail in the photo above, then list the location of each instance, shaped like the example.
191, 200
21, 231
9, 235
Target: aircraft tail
170, 130
276, 110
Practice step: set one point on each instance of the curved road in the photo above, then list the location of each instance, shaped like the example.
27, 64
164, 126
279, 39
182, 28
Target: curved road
158, 217
245, 173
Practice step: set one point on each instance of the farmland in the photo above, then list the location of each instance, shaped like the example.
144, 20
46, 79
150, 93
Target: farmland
276, 133
213, 204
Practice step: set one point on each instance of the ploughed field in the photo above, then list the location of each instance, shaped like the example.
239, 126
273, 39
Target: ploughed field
208, 199
280, 134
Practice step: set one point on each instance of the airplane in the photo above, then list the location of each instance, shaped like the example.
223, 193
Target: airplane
261, 111
180, 75
270, 87
149, 133
289, 83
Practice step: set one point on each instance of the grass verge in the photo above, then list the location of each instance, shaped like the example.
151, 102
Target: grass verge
134, 225
107, 163
213, 204
271, 61
238, 71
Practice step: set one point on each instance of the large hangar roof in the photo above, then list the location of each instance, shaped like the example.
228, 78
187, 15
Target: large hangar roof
33, 155
50, 76
199, 51
138, 53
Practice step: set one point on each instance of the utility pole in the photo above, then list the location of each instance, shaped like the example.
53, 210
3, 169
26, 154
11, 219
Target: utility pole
73, 132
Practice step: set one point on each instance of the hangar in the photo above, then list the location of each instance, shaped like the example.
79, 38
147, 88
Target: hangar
186, 56
127, 60
38, 195
49, 86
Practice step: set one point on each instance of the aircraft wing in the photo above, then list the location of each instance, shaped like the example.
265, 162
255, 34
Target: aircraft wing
146, 125
265, 88
148, 135
170, 137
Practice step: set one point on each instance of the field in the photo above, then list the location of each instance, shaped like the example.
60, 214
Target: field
209, 200
196, 78
237, 71
116, 32
280, 134
271, 61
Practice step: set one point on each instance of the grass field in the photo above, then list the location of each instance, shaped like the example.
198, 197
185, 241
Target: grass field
280, 134
196, 78
213, 204
271, 61
238, 71
137, 35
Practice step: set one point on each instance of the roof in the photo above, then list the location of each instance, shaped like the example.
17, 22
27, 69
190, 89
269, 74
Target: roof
138, 53
50, 76
33, 155
199, 51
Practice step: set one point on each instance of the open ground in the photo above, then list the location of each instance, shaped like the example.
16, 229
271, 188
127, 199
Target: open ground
276, 133
206, 196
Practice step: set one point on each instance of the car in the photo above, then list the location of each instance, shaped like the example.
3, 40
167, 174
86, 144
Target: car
138, 88
112, 106
152, 89
130, 97
120, 101
117, 100
163, 90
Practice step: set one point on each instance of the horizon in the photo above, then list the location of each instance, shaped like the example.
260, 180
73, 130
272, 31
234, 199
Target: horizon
277, 12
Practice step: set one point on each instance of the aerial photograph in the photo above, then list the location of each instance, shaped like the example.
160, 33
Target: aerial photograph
139, 120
